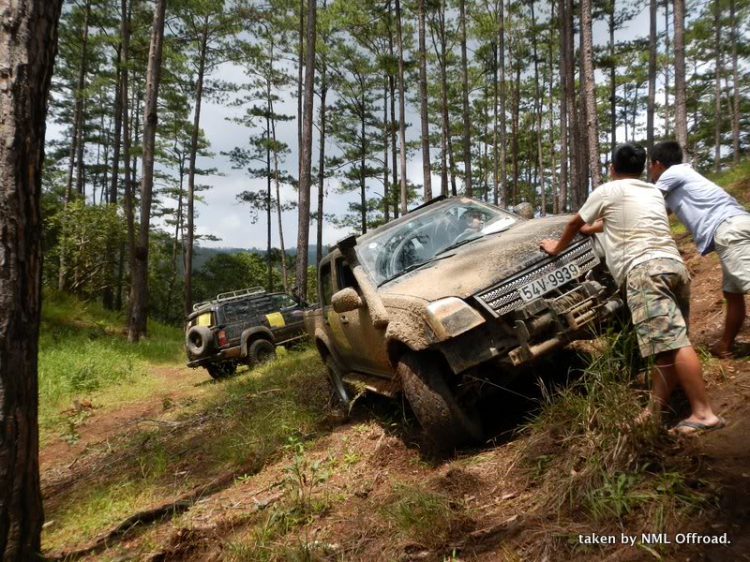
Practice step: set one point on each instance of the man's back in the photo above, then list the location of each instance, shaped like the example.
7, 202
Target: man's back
699, 204
636, 228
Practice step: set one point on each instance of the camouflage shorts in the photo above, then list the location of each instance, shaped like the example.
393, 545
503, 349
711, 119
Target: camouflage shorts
658, 294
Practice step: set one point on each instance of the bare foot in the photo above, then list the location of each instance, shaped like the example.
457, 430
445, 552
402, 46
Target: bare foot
720, 350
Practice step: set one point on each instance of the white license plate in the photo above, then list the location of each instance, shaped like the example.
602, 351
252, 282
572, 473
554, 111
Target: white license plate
549, 281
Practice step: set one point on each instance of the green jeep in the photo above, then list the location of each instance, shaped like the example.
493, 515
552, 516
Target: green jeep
243, 326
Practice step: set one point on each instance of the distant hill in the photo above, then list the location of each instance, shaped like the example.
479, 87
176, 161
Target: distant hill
202, 255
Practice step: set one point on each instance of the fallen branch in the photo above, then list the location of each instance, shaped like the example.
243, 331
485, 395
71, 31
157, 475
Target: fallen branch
166, 510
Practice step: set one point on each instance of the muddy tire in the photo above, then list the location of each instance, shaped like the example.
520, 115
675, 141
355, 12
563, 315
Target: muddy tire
340, 392
443, 419
260, 352
220, 371
198, 340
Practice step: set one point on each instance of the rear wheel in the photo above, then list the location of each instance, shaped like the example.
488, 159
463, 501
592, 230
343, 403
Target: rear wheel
260, 352
222, 370
443, 419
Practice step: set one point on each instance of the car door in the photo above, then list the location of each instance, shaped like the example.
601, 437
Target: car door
369, 350
292, 315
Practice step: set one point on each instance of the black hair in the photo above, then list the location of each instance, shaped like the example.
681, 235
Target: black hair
668, 153
629, 159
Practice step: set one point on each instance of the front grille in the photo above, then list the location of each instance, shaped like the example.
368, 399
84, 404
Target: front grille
504, 297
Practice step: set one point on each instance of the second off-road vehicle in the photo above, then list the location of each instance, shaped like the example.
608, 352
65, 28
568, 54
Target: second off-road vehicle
243, 326
450, 301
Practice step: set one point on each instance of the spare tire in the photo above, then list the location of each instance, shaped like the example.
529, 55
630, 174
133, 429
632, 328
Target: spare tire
199, 340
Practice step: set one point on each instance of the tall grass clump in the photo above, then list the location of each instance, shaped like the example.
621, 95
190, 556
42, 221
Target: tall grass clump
83, 348
591, 458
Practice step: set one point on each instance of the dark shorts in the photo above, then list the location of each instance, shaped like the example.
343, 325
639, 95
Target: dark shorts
658, 295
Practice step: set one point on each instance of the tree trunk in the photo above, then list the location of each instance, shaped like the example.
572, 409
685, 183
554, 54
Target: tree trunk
363, 163
538, 111
503, 125
426, 166
667, 54
401, 107
269, 258
495, 116
386, 171
27, 50
679, 73
139, 312
80, 101
562, 22
194, 135
300, 79
321, 164
736, 87
440, 55
303, 229
717, 91
127, 186
465, 98
651, 79
550, 58
613, 81
589, 98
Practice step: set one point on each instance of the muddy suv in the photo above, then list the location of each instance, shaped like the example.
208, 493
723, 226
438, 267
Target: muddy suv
242, 326
449, 302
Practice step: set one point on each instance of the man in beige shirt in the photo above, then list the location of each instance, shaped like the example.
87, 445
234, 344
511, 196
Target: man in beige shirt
642, 257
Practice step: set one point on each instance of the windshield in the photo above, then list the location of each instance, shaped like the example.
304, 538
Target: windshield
418, 241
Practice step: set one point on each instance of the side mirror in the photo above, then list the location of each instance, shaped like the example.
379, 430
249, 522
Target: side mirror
525, 210
346, 300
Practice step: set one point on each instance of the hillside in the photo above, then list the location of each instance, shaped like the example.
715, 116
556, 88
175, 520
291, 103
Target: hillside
204, 254
259, 467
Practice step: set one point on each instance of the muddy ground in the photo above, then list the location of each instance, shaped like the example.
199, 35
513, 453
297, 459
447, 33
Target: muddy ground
225, 511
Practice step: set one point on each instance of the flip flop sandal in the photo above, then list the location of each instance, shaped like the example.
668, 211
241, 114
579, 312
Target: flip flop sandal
699, 427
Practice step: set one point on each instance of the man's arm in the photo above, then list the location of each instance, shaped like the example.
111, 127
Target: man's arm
553, 247
595, 228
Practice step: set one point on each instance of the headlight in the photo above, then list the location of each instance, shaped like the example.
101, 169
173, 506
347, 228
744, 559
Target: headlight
451, 317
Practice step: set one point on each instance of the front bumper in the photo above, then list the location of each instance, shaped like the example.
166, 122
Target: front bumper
534, 328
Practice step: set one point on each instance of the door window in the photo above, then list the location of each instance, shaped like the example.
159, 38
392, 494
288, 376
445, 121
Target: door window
326, 288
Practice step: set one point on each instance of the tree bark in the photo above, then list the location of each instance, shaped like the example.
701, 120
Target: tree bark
303, 229
503, 124
386, 171
550, 58
651, 78
717, 91
128, 199
27, 50
562, 195
194, 135
139, 311
613, 80
667, 54
679, 74
426, 166
401, 107
538, 110
321, 164
465, 98
589, 98
736, 87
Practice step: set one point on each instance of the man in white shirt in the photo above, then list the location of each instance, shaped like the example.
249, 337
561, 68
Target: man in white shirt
716, 221
642, 257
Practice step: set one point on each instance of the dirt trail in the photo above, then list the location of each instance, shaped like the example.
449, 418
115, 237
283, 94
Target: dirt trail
175, 384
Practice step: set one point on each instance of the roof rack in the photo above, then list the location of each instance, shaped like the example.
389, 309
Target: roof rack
232, 295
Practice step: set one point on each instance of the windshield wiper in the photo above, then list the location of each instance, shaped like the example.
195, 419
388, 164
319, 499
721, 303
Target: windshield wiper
417, 265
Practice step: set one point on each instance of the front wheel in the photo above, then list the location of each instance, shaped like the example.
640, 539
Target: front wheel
448, 424
339, 389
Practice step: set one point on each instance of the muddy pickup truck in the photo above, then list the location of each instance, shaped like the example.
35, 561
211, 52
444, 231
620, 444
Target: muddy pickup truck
450, 301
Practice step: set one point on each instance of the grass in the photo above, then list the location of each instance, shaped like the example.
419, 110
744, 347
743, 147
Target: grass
240, 426
591, 462
82, 351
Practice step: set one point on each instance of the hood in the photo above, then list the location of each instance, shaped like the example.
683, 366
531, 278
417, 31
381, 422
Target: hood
480, 263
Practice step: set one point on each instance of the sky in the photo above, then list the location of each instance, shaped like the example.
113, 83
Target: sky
222, 216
